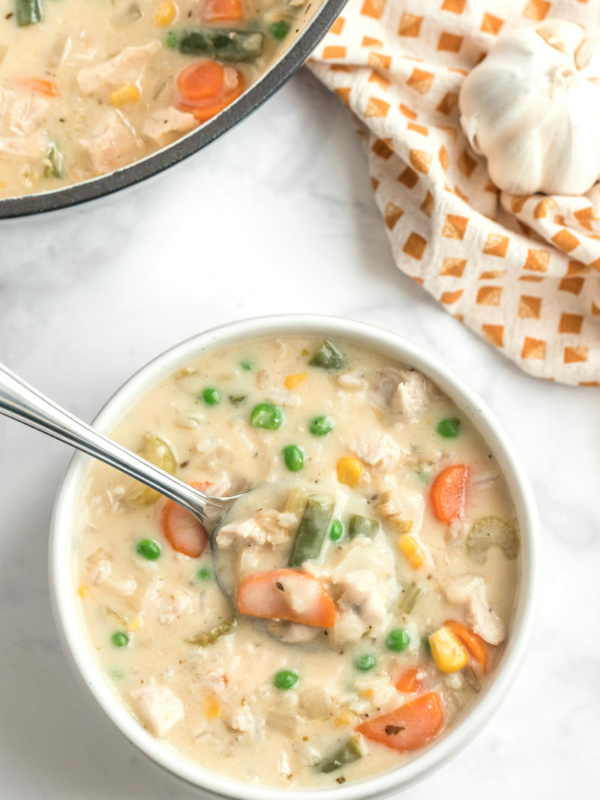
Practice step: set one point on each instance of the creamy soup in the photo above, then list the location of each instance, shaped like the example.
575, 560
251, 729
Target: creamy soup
369, 576
85, 90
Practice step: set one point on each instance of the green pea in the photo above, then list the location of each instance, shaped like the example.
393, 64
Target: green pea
266, 415
211, 396
336, 530
120, 639
397, 640
285, 679
171, 40
321, 426
204, 574
449, 428
148, 548
293, 457
279, 30
365, 662
246, 366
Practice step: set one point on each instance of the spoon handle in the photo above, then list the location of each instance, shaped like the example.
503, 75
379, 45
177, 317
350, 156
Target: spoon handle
22, 402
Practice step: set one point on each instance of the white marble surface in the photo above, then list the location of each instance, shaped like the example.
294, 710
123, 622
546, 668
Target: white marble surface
275, 217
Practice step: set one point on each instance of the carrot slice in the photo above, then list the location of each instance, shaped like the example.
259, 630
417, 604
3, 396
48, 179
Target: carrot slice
206, 88
287, 594
183, 531
475, 645
407, 681
39, 86
448, 493
409, 727
223, 11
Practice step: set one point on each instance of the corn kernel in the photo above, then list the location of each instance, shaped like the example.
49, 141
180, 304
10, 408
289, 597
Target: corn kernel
349, 470
448, 653
345, 718
293, 380
134, 625
128, 93
83, 590
212, 709
165, 13
411, 550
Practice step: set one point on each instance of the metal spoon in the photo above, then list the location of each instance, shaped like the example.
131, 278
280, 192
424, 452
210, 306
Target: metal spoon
22, 402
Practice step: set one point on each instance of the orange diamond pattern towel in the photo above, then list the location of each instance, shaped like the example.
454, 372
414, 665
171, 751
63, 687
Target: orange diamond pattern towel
523, 272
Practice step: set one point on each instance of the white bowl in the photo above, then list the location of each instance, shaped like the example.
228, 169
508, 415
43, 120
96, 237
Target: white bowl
62, 577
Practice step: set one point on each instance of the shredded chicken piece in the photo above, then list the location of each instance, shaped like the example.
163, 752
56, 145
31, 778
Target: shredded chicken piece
317, 702
111, 144
166, 607
284, 722
269, 526
166, 121
376, 448
360, 605
404, 509
21, 113
158, 708
352, 381
30, 148
293, 632
126, 67
403, 391
471, 591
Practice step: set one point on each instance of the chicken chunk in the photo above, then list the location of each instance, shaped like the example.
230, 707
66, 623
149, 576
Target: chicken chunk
361, 607
404, 509
158, 708
165, 122
403, 391
126, 67
376, 448
166, 606
269, 526
471, 591
20, 113
111, 144
17, 148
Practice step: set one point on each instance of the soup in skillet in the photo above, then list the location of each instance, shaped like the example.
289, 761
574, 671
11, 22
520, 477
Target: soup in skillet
373, 568
85, 90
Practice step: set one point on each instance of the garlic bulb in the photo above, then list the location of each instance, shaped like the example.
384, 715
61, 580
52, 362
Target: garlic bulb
532, 107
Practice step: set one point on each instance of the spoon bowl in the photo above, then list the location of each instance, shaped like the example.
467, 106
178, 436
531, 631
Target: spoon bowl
20, 401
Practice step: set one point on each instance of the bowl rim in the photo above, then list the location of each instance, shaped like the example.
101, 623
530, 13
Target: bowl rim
151, 165
62, 589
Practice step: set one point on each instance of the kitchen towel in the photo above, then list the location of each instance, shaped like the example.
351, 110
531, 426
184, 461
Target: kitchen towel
521, 271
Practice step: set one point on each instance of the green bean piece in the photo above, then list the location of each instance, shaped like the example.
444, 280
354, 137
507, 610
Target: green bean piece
409, 597
363, 526
313, 529
171, 40
285, 679
28, 12
349, 752
449, 428
293, 457
211, 636
280, 29
266, 415
157, 452
211, 396
53, 168
120, 639
148, 549
336, 530
237, 399
226, 45
321, 426
327, 356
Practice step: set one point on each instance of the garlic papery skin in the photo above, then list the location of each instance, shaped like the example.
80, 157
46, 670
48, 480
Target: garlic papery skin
532, 108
